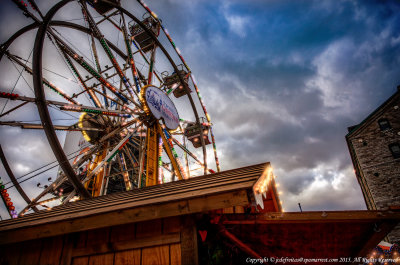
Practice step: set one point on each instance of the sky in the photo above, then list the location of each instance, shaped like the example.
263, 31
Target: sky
282, 81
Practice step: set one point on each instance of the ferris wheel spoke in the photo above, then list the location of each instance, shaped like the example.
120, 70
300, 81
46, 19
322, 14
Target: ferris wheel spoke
25, 10
45, 81
128, 43
104, 186
87, 156
96, 59
43, 203
62, 178
92, 95
68, 107
65, 47
33, 202
69, 197
142, 53
142, 153
79, 59
13, 179
119, 129
110, 155
95, 183
123, 168
151, 66
172, 155
117, 102
109, 19
93, 110
13, 109
106, 17
24, 125
35, 7
131, 157
187, 151
185, 154
99, 35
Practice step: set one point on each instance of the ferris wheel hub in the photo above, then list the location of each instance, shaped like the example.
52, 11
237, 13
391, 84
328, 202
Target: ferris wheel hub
88, 121
160, 106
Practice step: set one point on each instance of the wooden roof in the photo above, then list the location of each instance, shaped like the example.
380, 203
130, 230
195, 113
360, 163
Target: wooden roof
199, 194
312, 234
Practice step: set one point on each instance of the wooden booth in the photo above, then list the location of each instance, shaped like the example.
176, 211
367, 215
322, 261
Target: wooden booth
222, 218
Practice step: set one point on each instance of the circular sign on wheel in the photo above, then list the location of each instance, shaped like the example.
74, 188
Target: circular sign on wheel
161, 106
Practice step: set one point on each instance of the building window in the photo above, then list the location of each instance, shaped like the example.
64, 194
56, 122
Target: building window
395, 150
384, 124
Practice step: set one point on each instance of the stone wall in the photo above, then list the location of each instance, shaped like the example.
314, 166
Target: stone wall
374, 161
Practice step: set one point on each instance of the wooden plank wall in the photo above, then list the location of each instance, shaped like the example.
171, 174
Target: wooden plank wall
152, 242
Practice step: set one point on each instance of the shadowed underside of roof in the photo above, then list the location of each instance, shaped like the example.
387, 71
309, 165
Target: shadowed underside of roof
313, 234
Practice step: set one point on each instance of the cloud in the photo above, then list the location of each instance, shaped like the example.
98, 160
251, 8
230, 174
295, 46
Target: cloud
237, 24
321, 190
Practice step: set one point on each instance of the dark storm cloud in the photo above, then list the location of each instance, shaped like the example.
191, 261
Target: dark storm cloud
283, 81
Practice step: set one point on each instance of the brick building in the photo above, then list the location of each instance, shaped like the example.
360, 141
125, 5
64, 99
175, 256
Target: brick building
374, 146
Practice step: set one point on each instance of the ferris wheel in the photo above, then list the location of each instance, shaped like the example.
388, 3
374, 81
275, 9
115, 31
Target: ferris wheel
109, 83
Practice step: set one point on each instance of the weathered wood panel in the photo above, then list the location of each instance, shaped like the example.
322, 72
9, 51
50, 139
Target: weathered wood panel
239, 209
51, 251
104, 259
30, 252
189, 241
148, 228
97, 236
79, 239
155, 255
122, 233
80, 261
106, 247
171, 225
228, 210
66, 256
175, 254
10, 254
131, 257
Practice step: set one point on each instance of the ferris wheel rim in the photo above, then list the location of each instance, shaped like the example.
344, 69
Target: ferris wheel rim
40, 96
47, 22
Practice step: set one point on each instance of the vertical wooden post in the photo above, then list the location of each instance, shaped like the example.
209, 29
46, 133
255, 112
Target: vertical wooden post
66, 256
152, 155
189, 251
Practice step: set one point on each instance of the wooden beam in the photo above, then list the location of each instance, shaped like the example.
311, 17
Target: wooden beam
127, 244
242, 246
171, 156
242, 178
78, 222
152, 155
275, 196
66, 256
189, 250
87, 208
378, 233
313, 217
